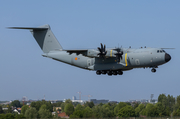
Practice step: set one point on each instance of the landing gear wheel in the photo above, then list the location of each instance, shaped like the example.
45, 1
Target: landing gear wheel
98, 72
109, 73
114, 72
120, 72
104, 72
153, 70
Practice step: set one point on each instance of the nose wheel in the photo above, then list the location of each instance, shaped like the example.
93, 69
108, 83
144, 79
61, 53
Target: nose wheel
153, 70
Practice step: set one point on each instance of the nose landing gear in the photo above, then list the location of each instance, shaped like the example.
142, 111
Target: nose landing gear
153, 70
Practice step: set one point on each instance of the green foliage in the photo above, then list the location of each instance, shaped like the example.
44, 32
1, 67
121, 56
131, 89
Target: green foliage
79, 107
161, 110
9, 116
178, 99
89, 104
58, 104
24, 108
38, 104
139, 109
68, 101
102, 111
16, 103
44, 113
77, 114
9, 109
118, 107
20, 116
87, 113
1, 111
31, 113
177, 112
62, 107
69, 109
135, 105
2, 116
127, 111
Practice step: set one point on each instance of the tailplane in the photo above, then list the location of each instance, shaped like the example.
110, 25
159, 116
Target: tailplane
44, 37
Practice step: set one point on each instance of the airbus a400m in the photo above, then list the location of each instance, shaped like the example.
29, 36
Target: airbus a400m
111, 61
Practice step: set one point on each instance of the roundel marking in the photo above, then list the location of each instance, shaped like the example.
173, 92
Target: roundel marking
76, 58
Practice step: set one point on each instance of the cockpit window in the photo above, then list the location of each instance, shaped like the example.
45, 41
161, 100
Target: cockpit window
160, 51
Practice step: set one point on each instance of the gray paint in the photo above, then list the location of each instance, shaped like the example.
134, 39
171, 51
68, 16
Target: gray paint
88, 59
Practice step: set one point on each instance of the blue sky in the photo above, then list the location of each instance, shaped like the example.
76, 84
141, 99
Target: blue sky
86, 24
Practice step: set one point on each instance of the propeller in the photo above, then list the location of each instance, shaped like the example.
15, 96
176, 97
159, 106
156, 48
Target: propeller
119, 54
102, 51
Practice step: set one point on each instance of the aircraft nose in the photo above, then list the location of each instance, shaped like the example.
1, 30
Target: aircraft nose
167, 57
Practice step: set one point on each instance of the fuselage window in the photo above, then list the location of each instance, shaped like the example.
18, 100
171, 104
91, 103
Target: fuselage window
163, 50
158, 51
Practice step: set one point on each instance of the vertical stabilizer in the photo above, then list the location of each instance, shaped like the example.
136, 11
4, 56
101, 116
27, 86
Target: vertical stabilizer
44, 37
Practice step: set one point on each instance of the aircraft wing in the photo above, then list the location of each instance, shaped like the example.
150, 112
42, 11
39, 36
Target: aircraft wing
77, 51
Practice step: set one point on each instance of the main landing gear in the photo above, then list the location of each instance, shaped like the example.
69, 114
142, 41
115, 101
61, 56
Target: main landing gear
109, 72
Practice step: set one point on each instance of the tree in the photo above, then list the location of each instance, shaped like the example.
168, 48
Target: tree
68, 101
161, 110
24, 108
38, 104
135, 105
9, 109
69, 109
77, 114
2, 116
127, 111
102, 111
1, 110
139, 109
20, 116
177, 112
79, 107
87, 113
31, 113
163, 99
58, 104
9, 116
44, 113
16, 103
89, 104
118, 107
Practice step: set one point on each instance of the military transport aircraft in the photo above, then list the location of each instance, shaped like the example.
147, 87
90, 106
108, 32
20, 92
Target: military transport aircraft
111, 61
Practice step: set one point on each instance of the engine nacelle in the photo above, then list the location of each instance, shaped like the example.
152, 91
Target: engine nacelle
92, 53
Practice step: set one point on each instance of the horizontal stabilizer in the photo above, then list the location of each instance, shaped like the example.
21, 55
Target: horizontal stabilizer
28, 28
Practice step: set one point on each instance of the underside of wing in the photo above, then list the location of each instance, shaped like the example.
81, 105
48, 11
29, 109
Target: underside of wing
78, 52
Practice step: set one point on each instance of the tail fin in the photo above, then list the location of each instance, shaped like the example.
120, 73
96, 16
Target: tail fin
44, 37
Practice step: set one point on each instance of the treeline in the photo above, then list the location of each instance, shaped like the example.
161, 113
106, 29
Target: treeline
166, 106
